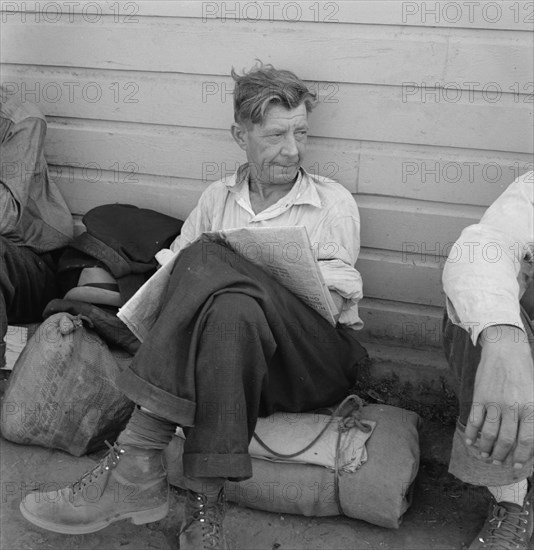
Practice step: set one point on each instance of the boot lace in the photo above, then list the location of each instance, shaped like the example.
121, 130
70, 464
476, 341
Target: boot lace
107, 463
208, 515
507, 528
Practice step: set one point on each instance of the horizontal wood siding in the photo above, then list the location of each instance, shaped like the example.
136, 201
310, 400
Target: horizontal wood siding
425, 114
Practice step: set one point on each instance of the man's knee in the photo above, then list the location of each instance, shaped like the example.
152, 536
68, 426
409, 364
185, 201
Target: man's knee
235, 306
234, 316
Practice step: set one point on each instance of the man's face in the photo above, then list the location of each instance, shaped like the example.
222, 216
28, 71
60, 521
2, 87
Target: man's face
275, 149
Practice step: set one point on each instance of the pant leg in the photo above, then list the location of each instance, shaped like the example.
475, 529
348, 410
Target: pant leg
27, 284
258, 349
242, 372
466, 463
230, 373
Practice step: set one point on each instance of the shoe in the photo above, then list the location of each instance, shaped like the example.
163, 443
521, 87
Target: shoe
202, 528
508, 526
128, 483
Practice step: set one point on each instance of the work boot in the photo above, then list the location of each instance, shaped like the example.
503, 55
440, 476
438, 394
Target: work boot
128, 483
202, 527
508, 526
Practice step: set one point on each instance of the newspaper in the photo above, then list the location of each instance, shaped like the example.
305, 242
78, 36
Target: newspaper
287, 254
141, 311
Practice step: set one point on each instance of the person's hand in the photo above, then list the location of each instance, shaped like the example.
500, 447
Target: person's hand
164, 256
503, 398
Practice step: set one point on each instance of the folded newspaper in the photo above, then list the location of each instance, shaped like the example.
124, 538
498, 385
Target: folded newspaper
285, 252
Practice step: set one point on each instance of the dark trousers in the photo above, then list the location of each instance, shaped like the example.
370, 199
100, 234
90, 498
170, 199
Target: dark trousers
27, 284
229, 345
463, 358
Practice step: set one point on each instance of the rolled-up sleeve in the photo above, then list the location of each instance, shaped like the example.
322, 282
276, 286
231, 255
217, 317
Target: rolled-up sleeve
337, 255
491, 263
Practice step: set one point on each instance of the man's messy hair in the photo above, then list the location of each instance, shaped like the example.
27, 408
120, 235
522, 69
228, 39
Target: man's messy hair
256, 90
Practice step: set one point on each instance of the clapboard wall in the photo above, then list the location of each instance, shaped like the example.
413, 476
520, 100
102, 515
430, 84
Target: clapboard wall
425, 114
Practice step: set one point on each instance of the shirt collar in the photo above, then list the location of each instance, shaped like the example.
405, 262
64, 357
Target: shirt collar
303, 192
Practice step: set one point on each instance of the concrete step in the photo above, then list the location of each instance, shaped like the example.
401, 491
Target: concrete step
409, 363
415, 379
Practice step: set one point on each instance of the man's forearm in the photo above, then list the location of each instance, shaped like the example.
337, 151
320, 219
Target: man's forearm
503, 397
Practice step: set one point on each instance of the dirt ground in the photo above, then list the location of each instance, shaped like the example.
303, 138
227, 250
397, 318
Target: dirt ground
445, 515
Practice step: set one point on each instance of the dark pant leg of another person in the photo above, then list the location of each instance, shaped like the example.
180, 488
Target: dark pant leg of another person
27, 284
231, 344
463, 358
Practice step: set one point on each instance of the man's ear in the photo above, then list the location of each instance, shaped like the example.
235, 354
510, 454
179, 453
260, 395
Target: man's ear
239, 133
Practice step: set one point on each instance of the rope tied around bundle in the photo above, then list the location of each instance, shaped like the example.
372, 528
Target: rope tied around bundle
348, 415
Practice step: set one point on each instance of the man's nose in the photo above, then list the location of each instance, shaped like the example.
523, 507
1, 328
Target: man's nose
290, 149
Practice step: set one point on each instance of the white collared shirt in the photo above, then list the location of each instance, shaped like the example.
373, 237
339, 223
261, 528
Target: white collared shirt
491, 264
323, 206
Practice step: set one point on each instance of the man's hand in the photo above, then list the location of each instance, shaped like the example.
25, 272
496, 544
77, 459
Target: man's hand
503, 399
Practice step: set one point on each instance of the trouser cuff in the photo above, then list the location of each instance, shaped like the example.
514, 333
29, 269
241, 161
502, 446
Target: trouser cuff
468, 466
235, 467
157, 401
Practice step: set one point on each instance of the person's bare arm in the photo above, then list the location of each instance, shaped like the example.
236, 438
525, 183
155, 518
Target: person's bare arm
503, 400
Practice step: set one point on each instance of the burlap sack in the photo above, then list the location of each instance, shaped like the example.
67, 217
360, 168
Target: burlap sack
62, 393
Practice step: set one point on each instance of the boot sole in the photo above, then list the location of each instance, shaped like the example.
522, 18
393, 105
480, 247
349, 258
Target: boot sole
139, 517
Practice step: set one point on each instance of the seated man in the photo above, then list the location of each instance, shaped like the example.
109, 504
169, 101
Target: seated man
34, 219
229, 343
488, 342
